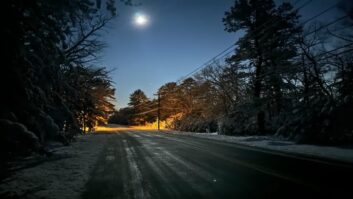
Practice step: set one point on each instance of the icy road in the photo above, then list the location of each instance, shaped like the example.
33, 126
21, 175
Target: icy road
150, 164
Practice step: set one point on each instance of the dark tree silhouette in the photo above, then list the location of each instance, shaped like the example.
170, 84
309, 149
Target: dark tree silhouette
140, 106
266, 27
51, 88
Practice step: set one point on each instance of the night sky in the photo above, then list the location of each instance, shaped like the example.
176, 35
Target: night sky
180, 36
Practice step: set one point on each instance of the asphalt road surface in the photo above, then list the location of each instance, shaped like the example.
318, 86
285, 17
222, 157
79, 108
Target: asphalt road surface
149, 164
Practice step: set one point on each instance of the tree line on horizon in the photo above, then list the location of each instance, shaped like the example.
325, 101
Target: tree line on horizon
286, 77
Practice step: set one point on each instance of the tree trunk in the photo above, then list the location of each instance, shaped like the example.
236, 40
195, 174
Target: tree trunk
257, 90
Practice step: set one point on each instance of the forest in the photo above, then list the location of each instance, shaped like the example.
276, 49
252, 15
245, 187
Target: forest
286, 76
51, 83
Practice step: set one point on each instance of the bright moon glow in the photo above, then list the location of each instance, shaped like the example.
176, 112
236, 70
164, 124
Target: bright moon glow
141, 19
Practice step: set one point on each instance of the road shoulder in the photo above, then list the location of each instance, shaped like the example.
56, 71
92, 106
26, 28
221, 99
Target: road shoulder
62, 177
328, 154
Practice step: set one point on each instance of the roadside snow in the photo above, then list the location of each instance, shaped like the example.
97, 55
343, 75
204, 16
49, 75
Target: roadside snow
62, 176
276, 144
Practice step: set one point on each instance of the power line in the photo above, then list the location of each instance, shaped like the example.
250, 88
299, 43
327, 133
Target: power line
321, 56
319, 14
254, 34
260, 28
328, 24
206, 63
145, 112
307, 34
233, 45
156, 109
295, 97
326, 52
265, 35
315, 57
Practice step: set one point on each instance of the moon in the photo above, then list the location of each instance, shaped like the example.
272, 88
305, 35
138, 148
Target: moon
141, 19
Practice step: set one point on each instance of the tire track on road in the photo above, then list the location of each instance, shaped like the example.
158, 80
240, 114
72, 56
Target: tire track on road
234, 160
180, 180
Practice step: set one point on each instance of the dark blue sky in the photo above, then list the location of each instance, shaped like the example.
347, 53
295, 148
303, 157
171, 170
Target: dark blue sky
181, 36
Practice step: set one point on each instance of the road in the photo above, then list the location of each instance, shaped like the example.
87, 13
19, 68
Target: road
150, 164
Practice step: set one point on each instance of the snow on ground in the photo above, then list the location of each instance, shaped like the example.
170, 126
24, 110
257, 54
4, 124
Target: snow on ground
62, 176
273, 143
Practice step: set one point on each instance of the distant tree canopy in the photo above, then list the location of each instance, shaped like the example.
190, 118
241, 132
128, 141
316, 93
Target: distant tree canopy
139, 111
140, 104
121, 116
51, 87
189, 104
183, 102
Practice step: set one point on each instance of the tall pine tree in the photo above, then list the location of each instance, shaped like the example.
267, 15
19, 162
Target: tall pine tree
266, 49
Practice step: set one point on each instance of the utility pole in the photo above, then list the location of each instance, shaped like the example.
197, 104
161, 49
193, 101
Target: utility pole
159, 111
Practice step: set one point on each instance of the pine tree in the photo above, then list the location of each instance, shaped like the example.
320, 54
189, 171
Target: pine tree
266, 48
140, 106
